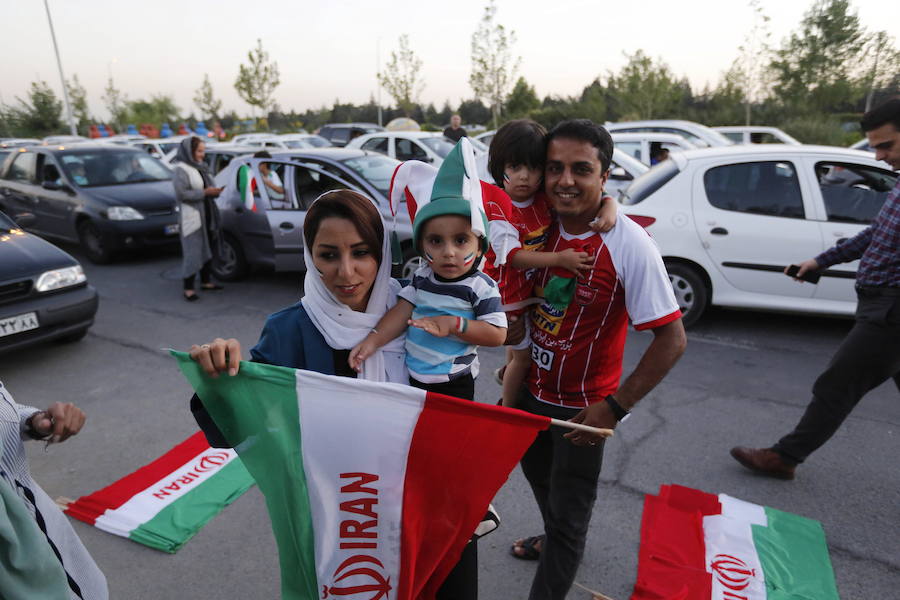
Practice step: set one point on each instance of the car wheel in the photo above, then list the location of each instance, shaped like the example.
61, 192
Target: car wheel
73, 337
231, 264
93, 243
690, 292
411, 263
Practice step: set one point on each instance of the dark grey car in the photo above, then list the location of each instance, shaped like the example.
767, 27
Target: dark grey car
265, 230
108, 198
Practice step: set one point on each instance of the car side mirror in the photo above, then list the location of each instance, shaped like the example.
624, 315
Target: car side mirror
25, 219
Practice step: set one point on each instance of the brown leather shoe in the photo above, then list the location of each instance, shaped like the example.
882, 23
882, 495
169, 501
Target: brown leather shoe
764, 461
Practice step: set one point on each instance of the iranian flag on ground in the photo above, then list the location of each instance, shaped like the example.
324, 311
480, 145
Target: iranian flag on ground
163, 504
696, 545
373, 489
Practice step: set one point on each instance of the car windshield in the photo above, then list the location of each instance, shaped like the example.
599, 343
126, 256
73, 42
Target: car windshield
648, 183
97, 168
7, 223
441, 145
374, 168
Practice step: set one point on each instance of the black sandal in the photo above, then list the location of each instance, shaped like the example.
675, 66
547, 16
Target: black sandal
211, 287
193, 297
529, 549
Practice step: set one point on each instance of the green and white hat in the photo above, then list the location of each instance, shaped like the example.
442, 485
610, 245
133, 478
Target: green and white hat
453, 189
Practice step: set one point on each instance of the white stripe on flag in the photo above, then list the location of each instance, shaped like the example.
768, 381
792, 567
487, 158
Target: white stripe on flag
387, 426
735, 508
146, 504
731, 554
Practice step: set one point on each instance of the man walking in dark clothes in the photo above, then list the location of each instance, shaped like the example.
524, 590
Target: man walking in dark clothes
455, 132
870, 354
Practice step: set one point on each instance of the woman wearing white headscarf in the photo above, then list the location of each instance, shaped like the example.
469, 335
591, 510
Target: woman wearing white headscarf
347, 287
199, 216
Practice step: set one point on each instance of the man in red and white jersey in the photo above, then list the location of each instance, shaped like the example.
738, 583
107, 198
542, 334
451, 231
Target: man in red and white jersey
578, 344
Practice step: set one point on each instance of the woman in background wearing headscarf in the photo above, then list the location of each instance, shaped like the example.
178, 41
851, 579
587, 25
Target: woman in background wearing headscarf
199, 219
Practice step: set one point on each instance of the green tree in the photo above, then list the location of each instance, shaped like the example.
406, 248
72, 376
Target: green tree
474, 111
645, 89
78, 98
493, 65
816, 69
37, 115
522, 100
401, 77
115, 102
160, 108
881, 64
749, 73
256, 82
206, 100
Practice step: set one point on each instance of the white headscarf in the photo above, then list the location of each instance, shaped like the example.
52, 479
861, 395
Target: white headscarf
343, 328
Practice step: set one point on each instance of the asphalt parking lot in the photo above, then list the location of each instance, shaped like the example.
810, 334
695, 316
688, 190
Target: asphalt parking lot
745, 379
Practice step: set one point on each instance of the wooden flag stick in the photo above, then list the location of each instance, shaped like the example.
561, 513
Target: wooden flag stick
597, 595
580, 427
63, 503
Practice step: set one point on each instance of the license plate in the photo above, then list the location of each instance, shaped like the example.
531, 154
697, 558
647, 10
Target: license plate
171, 229
18, 324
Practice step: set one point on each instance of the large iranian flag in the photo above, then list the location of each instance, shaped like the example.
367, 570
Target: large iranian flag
164, 503
700, 546
373, 489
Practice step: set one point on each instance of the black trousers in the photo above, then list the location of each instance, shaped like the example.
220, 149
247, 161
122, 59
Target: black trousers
563, 478
868, 356
205, 272
462, 581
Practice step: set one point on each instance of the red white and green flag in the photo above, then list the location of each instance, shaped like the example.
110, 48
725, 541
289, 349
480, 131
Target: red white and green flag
163, 504
698, 546
373, 489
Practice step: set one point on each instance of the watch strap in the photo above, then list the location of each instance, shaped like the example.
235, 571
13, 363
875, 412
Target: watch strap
617, 410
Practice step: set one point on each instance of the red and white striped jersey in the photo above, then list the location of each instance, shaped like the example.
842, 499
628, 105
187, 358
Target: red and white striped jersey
577, 352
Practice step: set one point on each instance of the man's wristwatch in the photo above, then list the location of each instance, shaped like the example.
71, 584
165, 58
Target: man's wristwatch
618, 412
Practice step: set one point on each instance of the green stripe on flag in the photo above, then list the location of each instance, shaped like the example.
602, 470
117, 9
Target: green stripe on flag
174, 525
794, 557
261, 419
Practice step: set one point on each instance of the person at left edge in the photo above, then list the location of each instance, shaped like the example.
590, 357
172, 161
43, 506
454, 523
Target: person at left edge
199, 216
41, 557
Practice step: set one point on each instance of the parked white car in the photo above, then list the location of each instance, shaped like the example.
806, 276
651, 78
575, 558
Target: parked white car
486, 137
638, 145
863, 145
728, 221
699, 135
752, 134
161, 148
427, 146
290, 141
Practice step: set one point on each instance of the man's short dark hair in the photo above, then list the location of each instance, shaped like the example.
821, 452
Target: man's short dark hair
262, 154
585, 130
519, 142
888, 112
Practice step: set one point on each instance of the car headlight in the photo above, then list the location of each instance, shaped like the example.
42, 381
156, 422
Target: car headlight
123, 213
60, 278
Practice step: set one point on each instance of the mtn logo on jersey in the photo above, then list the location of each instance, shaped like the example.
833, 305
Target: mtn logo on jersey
535, 240
547, 318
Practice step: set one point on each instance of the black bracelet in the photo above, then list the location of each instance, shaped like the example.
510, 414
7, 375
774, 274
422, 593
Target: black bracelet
617, 410
33, 433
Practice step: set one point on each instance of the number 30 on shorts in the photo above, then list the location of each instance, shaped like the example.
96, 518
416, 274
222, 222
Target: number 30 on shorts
541, 357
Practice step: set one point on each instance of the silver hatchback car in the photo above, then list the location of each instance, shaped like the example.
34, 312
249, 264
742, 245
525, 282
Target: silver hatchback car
266, 230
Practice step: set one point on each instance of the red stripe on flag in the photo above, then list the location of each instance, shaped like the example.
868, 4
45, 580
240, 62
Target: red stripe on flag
672, 556
88, 508
460, 455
